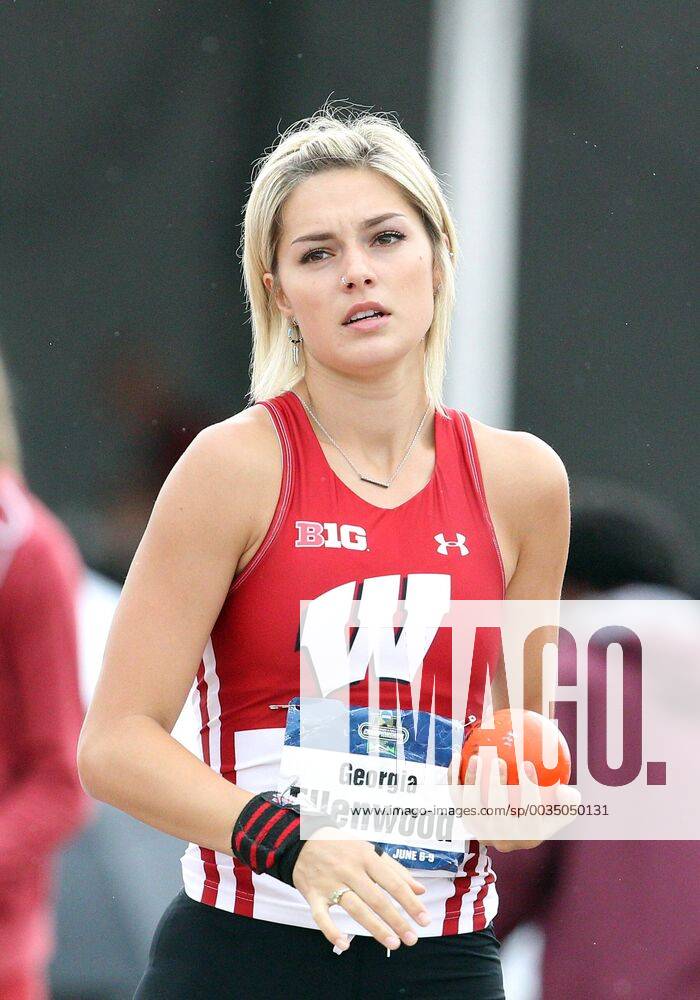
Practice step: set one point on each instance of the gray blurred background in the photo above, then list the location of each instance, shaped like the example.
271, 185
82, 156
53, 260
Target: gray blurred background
129, 130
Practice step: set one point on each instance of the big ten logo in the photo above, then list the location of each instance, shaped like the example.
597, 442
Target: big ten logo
314, 535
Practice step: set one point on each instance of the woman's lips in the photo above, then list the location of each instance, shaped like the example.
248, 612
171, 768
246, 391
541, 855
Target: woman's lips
369, 324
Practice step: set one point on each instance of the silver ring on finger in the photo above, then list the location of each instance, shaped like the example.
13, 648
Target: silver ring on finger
336, 895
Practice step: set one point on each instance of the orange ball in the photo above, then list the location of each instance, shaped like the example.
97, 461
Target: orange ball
535, 728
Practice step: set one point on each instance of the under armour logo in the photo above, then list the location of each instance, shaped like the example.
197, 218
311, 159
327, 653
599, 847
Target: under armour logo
444, 545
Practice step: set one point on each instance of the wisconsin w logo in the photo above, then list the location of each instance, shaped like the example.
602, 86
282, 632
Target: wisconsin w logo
444, 545
328, 617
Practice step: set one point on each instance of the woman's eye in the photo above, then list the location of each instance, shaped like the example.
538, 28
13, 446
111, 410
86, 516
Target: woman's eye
391, 232
311, 256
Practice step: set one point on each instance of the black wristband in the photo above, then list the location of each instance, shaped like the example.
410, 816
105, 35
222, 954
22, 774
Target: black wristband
266, 835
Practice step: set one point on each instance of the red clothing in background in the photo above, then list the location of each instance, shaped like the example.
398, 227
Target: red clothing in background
41, 800
621, 918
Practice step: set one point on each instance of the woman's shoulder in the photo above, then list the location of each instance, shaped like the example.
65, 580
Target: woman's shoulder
518, 454
525, 480
245, 439
236, 458
227, 481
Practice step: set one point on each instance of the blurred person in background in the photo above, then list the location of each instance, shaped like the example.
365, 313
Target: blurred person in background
42, 803
618, 918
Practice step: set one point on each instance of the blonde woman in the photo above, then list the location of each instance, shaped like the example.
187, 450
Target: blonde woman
346, 479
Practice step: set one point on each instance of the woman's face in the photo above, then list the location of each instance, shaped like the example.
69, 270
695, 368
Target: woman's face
355, 224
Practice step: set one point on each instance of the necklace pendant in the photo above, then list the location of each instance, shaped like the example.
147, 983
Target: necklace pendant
375, 482
365, 479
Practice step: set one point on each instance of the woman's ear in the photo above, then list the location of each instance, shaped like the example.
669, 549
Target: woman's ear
437, 268
277, 293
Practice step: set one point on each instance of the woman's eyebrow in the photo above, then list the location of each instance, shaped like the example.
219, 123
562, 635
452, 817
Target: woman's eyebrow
367, 224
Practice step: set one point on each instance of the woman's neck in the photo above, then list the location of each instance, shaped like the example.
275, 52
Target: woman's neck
373, 425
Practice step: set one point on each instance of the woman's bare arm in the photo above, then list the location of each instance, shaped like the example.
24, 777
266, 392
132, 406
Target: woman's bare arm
201, 524
529, 489
203, 521
543, 525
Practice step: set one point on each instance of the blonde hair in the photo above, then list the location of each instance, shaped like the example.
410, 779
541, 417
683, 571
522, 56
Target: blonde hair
331, 138
10, 453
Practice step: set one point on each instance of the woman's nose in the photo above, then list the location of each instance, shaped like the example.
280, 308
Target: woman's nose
358, 270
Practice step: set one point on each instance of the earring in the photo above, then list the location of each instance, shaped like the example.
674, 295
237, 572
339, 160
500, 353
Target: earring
294, 342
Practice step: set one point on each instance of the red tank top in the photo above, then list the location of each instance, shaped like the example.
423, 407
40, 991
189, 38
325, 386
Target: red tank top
327, 544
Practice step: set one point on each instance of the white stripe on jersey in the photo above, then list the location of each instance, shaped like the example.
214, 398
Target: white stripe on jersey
191, 861
490, 902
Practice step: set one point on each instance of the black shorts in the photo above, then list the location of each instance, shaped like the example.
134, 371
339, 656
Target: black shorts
200, 952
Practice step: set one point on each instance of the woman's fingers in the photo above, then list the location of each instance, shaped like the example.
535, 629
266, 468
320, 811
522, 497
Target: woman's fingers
453, 768
400, 885
374, 882
384, 895
504, 846
383, 930
513, 817
470, 774
320, 913
491, 767
392, 900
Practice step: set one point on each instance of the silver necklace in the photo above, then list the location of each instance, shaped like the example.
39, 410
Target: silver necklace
365, 479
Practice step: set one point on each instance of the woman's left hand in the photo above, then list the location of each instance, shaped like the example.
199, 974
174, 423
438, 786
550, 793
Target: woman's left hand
510, 817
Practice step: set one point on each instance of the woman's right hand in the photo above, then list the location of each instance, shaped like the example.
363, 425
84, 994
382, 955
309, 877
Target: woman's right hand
326, 865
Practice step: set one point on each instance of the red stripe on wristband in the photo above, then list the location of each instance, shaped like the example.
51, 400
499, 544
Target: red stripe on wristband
272, 856
258, 812
254, 856
278, 815
270, 823
246, 826
287, 830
